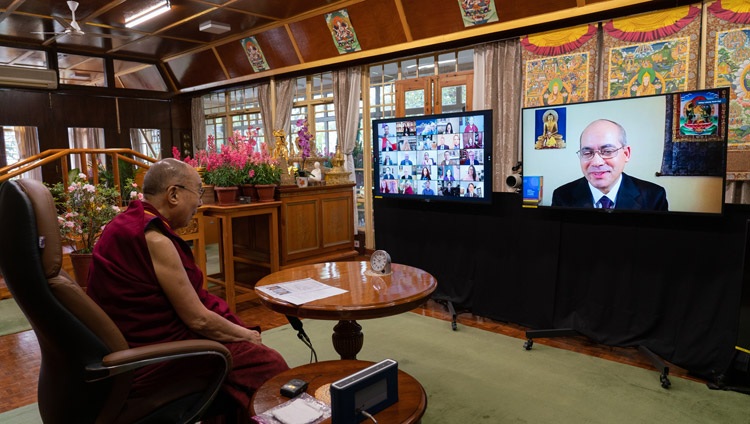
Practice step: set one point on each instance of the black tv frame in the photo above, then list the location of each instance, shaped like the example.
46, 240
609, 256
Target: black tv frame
409, 129
637, 115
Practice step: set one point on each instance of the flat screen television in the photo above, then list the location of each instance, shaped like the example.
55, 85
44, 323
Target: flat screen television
673, 158
444, 157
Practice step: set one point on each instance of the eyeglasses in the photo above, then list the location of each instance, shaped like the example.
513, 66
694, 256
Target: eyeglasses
199, 192
605, 153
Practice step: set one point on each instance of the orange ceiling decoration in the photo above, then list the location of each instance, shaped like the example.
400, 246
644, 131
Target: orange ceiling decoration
652, 26
559, 42
735, 11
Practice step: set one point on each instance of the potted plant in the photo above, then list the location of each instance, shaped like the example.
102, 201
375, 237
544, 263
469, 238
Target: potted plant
267, 177
84, 209
226, 180
304, 142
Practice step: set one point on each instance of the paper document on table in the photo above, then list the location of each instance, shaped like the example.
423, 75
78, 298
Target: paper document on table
302, 291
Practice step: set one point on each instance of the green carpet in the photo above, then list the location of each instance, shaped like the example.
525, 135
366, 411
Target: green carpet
12, 319
473, 376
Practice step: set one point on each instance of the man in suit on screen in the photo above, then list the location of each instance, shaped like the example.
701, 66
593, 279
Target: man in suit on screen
603, 153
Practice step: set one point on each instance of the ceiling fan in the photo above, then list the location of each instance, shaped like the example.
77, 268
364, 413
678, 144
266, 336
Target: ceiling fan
73, 28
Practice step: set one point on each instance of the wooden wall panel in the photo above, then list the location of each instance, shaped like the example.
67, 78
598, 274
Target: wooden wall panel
16, 105
430, 18
377, 24
314, 39
444, 16
73, 110
138, 113
233, 56
196, 69
509, 10
277, 48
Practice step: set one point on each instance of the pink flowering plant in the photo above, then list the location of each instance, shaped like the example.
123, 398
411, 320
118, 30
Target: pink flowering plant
304, 140
83, 211
237, 162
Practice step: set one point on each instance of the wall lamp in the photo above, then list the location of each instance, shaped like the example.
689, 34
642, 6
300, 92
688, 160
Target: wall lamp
148, 13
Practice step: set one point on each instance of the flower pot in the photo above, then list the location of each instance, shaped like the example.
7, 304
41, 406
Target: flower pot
226, 195
248, 190
81, 263
208, 197
266, 192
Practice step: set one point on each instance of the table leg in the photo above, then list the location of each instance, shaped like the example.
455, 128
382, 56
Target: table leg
228, 259
348, 339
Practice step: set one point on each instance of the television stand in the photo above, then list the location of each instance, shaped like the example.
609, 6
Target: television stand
656, 361
451, 310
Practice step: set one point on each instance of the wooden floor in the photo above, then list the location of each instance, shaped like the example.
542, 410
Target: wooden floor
20, 357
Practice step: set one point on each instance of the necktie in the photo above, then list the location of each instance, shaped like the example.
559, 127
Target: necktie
606, 203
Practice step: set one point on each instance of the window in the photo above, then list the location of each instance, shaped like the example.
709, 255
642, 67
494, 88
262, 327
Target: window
81, 70
136, 75
239, 108
146, 141
20, 143
313, 99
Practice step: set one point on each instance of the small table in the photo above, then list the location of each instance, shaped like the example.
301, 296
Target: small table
244, 250
368, 296
412, 399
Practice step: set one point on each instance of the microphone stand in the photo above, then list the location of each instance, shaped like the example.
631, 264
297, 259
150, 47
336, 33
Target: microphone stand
302, 335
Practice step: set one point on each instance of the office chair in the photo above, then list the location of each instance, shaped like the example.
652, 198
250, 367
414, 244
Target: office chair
87, 367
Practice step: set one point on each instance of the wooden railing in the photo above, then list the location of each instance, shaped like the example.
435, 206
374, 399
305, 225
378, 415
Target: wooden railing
87, 157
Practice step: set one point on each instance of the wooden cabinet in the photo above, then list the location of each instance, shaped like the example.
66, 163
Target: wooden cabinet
317, 224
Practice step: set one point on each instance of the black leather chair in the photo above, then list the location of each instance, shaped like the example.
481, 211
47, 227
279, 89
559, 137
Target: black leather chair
87, 366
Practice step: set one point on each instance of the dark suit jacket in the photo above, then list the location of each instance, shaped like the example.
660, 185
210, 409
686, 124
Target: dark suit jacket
634, 194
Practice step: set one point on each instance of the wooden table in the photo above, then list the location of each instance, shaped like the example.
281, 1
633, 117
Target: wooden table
412, 400
245, 243
367, 297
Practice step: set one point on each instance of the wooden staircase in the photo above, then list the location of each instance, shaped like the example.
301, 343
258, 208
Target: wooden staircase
88, 158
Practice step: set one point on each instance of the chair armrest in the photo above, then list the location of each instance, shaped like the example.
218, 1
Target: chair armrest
130, 359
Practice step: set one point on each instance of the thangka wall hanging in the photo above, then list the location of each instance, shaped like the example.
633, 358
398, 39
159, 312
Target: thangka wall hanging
728, 63
559, 66
342, 32
477, 12
652, 53
254, 54
695, 132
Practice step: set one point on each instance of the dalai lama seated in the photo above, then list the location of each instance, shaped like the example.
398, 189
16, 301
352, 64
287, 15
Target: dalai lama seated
145, 278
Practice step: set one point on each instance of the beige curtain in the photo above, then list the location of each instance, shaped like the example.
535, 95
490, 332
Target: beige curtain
347, 91
28, 145
86, 138
266, 114
497, 86
284, 101
198, 121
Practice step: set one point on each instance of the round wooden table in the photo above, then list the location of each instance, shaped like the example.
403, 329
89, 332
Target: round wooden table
412, 399
367, 296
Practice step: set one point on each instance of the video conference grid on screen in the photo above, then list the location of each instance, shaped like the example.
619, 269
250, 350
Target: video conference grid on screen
440, 156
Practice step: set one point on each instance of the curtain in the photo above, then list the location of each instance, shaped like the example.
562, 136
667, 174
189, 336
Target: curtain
497, 86
198, 122
266, 114
28, 145
284, 101
347, 90
86, 138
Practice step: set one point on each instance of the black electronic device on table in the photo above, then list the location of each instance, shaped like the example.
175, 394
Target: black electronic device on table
370, 390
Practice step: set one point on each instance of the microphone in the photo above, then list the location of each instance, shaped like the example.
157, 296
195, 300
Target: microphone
297, 325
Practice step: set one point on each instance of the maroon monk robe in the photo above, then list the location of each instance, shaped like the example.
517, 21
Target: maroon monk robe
123, 282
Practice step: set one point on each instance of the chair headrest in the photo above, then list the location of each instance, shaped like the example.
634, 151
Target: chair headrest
48, 229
